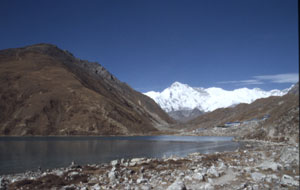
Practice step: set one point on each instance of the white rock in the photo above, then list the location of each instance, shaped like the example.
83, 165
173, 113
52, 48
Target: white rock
73, 173
289, 155
144, 187
141, 180
268, 165
255, 187
212, 172
96, 187
44, 173
131, 164
221, 166
58, 173
271, 178
112, 176
247, 169
257, 176
209, 180
92, 179
188, 178
177, 185
208, 186
114, 162
137, 161
181, 174
287, 167
142, 169
267, 186
122, 161
289, 181
198, 176
72, 186
127, 187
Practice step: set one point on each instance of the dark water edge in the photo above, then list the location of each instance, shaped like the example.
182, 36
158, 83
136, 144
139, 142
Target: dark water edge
19, 154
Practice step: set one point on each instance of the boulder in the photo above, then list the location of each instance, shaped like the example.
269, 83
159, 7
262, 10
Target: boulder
141, 180
212, 172
268, 165
71, 174
135, 161
112, 176
114, 162
287, 180
290, 155
198, 176
257, 176
96, 187
208, 186
271, 178
177, 185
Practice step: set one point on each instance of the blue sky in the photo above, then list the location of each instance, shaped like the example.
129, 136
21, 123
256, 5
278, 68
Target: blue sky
149, 44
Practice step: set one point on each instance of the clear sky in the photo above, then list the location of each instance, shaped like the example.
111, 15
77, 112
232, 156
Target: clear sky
149, 44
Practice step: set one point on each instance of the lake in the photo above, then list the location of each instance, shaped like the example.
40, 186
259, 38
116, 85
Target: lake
18, 154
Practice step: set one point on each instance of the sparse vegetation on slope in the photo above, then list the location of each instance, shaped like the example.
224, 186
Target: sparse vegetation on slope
47, 91
281, 125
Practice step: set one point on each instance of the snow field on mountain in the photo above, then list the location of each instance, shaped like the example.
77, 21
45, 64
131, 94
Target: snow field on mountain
183, 97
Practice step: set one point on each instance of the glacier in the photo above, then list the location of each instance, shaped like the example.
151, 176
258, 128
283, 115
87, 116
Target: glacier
184, 97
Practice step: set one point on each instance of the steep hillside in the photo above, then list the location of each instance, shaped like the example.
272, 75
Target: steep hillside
282, 124
47, 91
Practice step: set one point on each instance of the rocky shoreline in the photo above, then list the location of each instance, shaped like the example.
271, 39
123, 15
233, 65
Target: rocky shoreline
255, 165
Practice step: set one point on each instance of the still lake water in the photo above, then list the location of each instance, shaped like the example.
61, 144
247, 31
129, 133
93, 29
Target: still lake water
18, 154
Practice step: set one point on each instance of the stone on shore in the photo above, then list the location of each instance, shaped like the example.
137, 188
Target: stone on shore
177, 185
287, 180
268, 165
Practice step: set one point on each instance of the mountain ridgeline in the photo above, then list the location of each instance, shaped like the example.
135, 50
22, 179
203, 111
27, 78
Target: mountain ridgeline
184, 103
47, 91
282, 123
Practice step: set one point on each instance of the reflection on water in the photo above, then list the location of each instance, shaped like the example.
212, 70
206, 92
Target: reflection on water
18, 154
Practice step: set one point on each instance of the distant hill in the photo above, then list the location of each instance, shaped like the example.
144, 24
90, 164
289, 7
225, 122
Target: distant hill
282, 124
47, 91
185, 115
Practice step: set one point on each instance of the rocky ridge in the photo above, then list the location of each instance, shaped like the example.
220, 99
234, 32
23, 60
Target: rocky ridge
47, 91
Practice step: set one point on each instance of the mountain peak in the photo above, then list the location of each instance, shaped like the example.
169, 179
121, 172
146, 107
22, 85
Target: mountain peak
177, 84
183, 97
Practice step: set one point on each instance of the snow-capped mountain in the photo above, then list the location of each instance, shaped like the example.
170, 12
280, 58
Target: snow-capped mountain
183, 97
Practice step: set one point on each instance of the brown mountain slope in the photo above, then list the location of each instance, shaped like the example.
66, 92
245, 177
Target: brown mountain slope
242, 112
283, 123
47, 91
